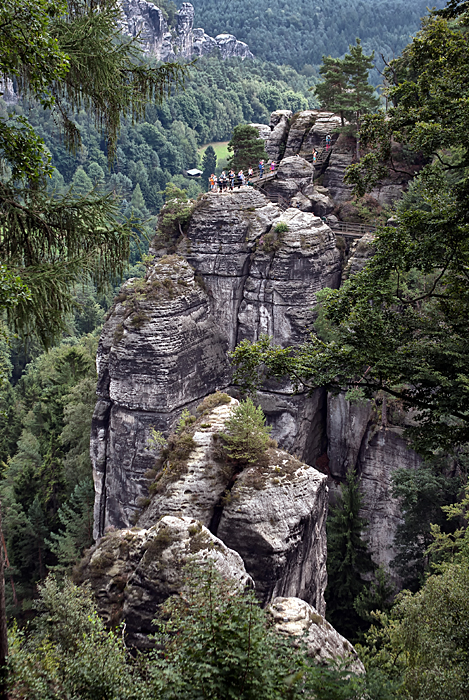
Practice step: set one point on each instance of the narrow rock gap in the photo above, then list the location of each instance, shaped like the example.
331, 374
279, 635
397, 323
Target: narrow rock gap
103, 497
218, 509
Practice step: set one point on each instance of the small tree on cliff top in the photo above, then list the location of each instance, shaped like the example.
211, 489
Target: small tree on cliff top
209, 163
247, 435
248, 149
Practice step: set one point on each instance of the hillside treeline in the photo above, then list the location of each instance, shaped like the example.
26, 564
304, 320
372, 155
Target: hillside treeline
300, 32
218, 96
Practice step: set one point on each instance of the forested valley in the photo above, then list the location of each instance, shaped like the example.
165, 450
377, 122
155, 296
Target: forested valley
57, 297
300, 32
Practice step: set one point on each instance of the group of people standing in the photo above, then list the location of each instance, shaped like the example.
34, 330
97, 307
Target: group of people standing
228, 181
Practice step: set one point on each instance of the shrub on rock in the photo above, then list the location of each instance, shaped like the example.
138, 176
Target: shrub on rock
247, 436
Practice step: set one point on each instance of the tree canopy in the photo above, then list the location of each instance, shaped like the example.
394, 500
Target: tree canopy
247, 148
400, 324
67, 56
345, 87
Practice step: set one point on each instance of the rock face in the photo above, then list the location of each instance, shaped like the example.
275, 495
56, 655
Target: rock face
277, 139
362, 439
272, 513
308, 130
158, 352
144, 19
164, 346
295, 618
133, 572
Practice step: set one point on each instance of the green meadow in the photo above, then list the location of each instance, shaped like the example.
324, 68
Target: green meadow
221, 151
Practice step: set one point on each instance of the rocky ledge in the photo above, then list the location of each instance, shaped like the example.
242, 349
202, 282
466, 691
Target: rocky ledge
296, 619
133, 571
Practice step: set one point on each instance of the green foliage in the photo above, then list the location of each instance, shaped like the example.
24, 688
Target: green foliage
299, 33
348, 560
173, 217
68, 653
282, 227
358, 96
422, 492
214, 642
422, 644
246, 147
330, 90
345, 88
209, 163
376, 596
76, 519
46, 454
61, 56
399, 324
434, 625
246, 435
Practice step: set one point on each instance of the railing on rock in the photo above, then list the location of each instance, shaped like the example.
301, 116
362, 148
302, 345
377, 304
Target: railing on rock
353, 230
276, 199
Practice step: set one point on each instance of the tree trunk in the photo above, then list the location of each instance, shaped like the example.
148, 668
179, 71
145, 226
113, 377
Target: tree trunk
3, 624
357, 138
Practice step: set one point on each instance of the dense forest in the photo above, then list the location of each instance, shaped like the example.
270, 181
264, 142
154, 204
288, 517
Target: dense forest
300, 32
218, 95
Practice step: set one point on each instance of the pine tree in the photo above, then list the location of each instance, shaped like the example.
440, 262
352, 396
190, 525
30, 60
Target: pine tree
81, 183
347, 559
209, 163
76, 517
247, 148
137, 201
358, 98
96, 173
68, 57
333, 86
247, 435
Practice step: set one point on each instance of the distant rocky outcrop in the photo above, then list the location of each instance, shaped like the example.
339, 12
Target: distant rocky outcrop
144, 19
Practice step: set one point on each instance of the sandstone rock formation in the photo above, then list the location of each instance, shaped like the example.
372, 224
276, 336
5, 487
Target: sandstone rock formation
295, 618
164, 346
370, 441
277, 139
158, 352
272, 513
235, 275
133, 571
144, 19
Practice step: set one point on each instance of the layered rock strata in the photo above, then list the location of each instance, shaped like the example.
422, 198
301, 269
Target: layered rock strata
133, 571
164, 346
272, 513
370, 440
143, 19
294, 183
159, 351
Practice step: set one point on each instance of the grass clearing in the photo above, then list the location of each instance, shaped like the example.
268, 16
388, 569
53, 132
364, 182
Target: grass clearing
221, 151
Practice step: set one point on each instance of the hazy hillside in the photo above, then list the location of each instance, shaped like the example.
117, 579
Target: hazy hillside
299, 32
